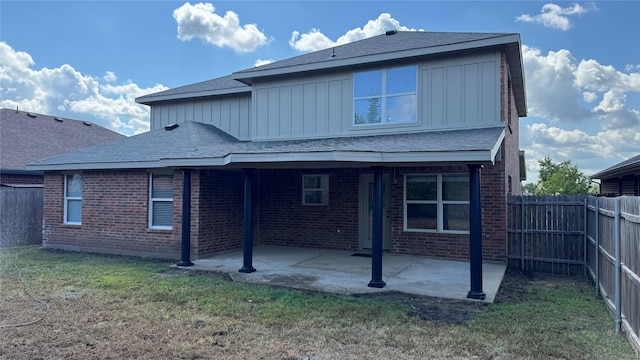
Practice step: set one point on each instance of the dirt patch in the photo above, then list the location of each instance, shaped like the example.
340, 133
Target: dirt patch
459, 312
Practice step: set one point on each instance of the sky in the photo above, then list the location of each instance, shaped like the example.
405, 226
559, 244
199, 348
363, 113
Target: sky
89, 60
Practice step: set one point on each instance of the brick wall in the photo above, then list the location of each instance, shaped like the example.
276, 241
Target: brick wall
218, 200
511, 145
114, 216
627, 185
15, 179
283, 220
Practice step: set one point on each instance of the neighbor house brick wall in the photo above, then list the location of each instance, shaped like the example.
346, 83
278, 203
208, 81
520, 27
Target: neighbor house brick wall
115, 207
22, 179
628, 185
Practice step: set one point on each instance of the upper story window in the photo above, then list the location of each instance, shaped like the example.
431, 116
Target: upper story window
73, 199
386, 96
160, 201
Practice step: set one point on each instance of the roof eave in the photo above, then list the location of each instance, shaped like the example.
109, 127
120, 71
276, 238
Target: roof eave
149, 99
469, 156
618, 171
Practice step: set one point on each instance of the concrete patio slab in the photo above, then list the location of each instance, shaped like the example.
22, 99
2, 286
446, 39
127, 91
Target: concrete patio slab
337, 271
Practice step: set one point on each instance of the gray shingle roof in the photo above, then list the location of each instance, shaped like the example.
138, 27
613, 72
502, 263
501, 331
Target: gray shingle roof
217, 86
28, 137
192, 144
381, 44
628, 166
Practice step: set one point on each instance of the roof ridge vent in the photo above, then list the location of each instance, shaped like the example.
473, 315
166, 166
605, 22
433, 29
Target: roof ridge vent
391, 32
171, 127
32, 115
58, 119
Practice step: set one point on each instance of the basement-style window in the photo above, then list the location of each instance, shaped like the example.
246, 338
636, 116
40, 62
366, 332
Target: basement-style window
73, 199
160, 201
386, 96
315, 189
436, 203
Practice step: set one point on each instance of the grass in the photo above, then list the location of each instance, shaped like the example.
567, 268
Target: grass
116, 307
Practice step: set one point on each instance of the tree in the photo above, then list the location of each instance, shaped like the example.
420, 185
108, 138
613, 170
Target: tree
560, 179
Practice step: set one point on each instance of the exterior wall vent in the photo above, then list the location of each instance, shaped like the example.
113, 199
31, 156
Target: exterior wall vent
171, 127
58, 119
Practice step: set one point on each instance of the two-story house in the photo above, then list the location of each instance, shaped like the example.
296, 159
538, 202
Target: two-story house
405, 142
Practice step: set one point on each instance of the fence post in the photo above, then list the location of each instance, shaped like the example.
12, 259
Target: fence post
522, 219
616, 236
584, 249
597, 210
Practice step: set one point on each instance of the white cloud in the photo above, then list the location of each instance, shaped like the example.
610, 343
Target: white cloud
261, 62
315, 40
110, 76
557, 86
556, 17
66, 92
200, 20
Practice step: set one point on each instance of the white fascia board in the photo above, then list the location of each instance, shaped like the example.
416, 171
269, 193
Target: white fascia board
496, 147
98, 166
246, 76
146, 100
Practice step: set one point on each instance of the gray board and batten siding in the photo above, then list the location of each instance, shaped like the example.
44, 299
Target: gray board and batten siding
453, 93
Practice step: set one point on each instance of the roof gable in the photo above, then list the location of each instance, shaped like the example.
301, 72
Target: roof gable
28, 137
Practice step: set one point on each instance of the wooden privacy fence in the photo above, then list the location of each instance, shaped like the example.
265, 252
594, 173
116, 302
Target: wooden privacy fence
20, 215
599, 237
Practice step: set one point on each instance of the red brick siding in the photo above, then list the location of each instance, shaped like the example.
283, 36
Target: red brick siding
114, 216
218, 200
15, 179
511, 145
283, 220
628, 185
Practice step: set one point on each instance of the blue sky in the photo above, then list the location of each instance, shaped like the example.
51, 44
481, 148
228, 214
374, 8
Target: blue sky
89, 60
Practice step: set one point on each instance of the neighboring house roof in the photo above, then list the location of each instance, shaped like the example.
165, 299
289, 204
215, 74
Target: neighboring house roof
629, 166
193, 144
27, 137
382, 48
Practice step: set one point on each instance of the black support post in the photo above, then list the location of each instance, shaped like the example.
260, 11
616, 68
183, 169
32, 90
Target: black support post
376, 243
475, 234
186, 219
247, 258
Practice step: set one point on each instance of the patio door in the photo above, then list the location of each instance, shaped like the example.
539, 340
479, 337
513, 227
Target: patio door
366, 211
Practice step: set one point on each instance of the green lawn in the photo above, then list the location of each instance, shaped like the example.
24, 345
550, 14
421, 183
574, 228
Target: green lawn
104, 307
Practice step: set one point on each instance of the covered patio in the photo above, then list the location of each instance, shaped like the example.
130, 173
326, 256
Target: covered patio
346, 272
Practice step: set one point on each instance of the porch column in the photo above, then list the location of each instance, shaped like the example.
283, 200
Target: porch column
475, 234
247, 258
376, 241
186, 218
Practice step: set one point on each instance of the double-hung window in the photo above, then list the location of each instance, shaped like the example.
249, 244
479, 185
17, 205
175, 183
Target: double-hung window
73, 199
386, 96
438, 203
315, 189
160, 201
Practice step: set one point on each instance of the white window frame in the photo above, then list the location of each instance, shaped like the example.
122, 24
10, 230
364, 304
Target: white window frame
384, 98
439, 205
68, 198
153, 200
323, 189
